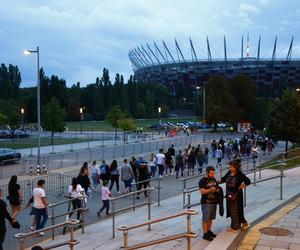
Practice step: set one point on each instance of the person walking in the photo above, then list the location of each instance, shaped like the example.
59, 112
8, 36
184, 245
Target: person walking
104, 172
95, 171
208, 187
5, 215
160, 162
114, 175
105, 194
179, 166
14, 196
144, 175
40, 204
84, 180
76, 192
134, 167
126, 176
153, 166
235, 181
219, 156
200, 157
191, 161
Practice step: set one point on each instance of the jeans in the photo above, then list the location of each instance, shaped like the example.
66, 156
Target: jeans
161, 169
153, 171
2, 236
114, 179
143, 185
41, 217
76, 204
95, 178
105, 205
179, 168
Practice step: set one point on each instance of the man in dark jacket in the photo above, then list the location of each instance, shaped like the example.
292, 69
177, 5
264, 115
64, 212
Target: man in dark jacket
104, 172
5, 215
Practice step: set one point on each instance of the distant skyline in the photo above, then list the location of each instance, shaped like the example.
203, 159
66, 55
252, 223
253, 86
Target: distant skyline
78, 39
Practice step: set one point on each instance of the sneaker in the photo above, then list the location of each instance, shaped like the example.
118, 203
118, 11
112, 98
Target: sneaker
245, 225
98, 214
41, 234
31, 229
208, 237
212, 234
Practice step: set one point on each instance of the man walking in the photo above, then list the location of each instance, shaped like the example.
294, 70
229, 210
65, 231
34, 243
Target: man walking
160, 162
40, 206
209, 189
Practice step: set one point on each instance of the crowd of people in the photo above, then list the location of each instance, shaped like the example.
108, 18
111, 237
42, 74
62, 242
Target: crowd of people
137, 172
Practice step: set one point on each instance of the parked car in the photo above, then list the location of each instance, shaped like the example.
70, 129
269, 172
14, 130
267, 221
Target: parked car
21, 134
4, 134
8, 155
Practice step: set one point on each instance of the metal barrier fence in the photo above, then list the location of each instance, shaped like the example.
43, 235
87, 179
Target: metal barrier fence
51, 161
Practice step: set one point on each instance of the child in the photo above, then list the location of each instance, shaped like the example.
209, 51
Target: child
105, 194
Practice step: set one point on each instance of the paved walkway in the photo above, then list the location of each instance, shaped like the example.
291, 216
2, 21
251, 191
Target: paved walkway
286, 218
260, 199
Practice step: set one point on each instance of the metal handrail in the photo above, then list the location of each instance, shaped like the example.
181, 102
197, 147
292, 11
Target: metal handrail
70, 199
158, 187
134, 205
188, 235
22, 236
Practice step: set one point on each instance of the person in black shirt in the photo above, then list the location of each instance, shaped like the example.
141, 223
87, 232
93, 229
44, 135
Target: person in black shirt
144, 175
5, 215
172, 150
14, 196
134, 166
209, 188
235, 181
84, 180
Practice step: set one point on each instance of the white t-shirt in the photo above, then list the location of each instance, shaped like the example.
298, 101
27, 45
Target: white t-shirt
95, 170
160, 159
38, 194
105, 193
78, 192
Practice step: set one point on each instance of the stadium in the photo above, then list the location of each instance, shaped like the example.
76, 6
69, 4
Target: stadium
185, 75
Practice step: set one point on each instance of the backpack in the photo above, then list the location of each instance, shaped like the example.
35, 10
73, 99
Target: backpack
103, 169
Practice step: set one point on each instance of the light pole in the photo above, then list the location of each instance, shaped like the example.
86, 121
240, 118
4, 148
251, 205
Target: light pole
28, 52
22, 112
81, 118
298, 90
159, 111
204, 103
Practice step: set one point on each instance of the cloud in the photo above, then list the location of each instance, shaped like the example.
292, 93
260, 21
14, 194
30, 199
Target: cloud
249, 8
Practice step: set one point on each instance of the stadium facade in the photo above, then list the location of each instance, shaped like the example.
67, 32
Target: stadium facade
184, 76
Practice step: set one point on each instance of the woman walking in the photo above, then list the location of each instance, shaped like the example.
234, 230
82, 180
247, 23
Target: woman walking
76, 192
114, 175
235, 181
14, 196
84, 180
153, 167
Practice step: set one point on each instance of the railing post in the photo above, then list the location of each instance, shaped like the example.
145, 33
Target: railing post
133, 202
21, 243
188, 218
189, 200
158, 192
281, 182
82, 221
183, 192
71, 236
254, 176
149, 209
125, 233
113, 218
52, 221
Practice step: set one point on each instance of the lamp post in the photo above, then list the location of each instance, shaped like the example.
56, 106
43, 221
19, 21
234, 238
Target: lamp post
81, 118
22, 112
298, 90
159, 111
204, 102
28, 52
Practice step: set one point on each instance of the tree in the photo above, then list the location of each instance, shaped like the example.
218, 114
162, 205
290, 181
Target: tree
150, 103
221, 105
53, 117
114, 116
284, 120
126, 124
3, 119
141, 110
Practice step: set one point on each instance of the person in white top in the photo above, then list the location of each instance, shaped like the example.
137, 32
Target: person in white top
40, 206
95, 170
160, 162
152, 164
76, 192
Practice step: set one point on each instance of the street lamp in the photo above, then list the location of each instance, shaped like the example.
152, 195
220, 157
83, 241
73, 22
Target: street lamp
81, 118
22, 112
298, 89
28, 52
159, 111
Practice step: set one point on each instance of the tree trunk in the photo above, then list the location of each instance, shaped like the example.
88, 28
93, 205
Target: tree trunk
286, 149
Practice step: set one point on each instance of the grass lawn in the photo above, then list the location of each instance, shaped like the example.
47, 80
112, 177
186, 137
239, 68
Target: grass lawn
290, 164
105, 126
32, 142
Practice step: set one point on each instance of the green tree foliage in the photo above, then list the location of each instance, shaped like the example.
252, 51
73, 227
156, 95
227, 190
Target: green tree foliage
284, 120
126, 124
149, 103
3, 119
221, 105
53, 117
141, 110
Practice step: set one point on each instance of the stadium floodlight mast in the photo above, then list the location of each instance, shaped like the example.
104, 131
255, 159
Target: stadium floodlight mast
22, 112
37, 52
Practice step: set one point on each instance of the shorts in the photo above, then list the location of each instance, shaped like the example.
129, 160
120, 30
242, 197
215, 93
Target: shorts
127, 183
14, 201
208, 212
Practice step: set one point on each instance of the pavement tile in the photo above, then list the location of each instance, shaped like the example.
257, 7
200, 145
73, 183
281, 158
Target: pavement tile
294, 246
288, 239
262, 248
270, 243
268, 237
